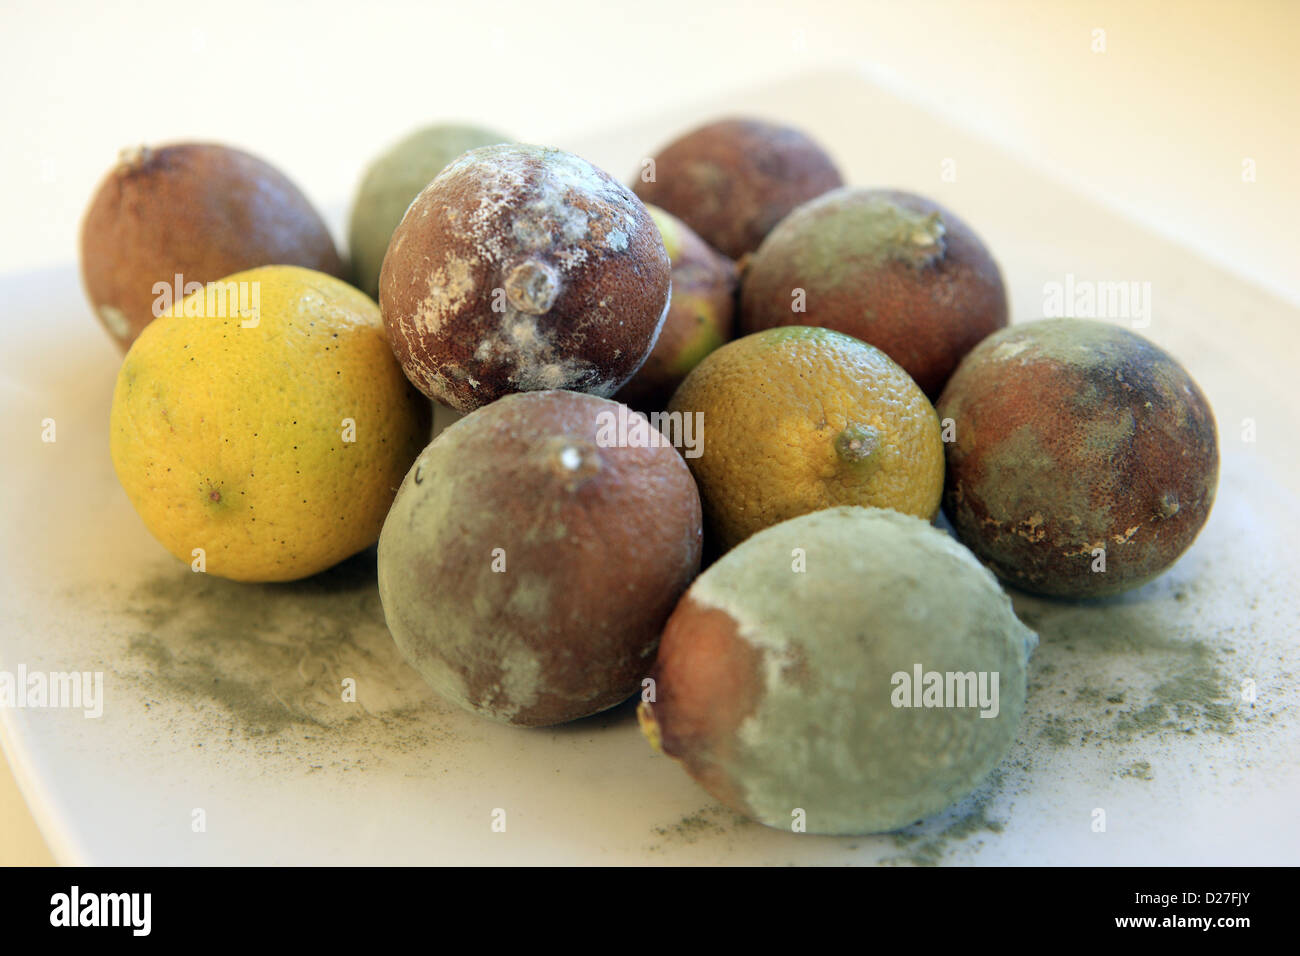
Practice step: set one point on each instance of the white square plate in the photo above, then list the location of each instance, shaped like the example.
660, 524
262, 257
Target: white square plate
225, 698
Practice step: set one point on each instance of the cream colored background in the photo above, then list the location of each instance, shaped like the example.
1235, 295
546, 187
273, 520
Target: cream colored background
1157, 126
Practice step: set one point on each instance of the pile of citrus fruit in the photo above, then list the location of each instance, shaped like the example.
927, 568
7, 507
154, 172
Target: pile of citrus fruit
540, 560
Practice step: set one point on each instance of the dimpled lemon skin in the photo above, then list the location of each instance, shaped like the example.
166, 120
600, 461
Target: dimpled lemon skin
233, 439
796, 419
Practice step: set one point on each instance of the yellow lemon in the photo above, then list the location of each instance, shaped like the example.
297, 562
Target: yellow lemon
796, 419
262, 425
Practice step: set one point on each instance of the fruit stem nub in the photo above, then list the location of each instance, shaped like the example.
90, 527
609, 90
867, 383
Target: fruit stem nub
132, 158
574, 460
857, 443
532, 287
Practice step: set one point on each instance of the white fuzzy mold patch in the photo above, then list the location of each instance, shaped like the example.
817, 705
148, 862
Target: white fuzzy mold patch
450, 287
534, 211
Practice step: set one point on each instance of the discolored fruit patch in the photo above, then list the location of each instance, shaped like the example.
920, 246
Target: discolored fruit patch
522, 268
1079, 446
896, 270
707, 680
